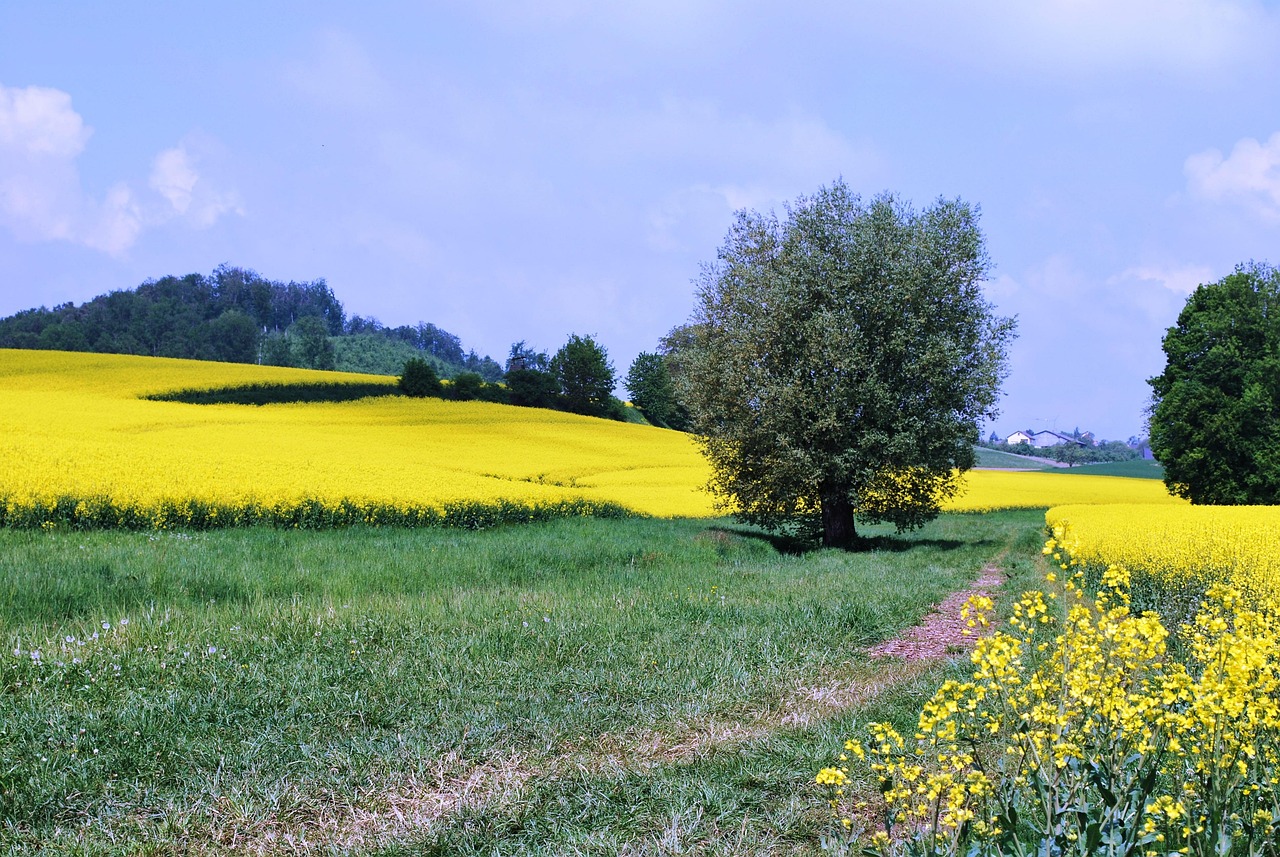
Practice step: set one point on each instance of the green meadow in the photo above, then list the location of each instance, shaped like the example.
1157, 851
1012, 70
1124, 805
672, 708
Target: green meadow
571, 687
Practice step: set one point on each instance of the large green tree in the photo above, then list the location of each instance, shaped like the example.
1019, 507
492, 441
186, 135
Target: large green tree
653, 392
838, 362
1215, 412
311, 343
419, 379
585, 375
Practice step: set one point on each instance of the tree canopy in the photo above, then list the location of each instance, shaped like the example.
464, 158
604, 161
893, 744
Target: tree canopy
838, 362
236, 315
419, 379
1215, 411
585, 375
652, 391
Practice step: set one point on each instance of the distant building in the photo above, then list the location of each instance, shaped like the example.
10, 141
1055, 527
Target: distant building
1041, 439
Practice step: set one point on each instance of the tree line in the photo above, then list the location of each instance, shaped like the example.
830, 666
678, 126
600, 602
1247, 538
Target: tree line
1087, 451
238, 316
579, 378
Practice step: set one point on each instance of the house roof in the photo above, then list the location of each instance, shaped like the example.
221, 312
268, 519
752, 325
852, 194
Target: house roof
1065, 438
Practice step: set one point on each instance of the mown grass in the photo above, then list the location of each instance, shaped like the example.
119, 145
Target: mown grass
998, 459
1006, 460
575, 686
1133, 469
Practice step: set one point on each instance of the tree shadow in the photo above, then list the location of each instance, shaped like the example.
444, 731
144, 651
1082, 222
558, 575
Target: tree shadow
781, 542
797, 546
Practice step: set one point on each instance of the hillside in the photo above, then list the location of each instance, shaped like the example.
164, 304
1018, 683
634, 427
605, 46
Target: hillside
1140, 469
74, 425
997, 460
237, 316
77, 438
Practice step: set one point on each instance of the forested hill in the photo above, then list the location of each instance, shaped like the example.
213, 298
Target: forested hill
238, 316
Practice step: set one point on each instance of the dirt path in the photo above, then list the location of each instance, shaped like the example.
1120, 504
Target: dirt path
941, 633
411, 806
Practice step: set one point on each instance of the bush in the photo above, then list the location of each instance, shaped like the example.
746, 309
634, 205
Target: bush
276, 394
466, 387
532, 388
419, 379
495, 393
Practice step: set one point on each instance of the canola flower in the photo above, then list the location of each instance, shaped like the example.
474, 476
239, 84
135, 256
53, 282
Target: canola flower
1176, 551
80, 446
1077, 734
77, 443
987, 490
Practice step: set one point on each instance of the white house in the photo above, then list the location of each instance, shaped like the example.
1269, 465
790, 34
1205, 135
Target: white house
1041, 439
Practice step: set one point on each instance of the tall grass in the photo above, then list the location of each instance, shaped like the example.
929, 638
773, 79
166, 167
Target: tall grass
575, 686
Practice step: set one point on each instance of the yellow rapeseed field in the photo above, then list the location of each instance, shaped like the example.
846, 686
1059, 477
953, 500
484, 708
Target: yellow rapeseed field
997, 489
75, 426
1184, 544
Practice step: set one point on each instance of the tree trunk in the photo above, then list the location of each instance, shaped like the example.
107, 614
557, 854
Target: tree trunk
837, 520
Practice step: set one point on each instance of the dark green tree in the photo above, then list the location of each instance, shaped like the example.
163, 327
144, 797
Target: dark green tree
585, 375
419, 379
466, 386
1215, 410
531, 388
233, 337
64, 336
277, 350
652, 390
523, 356
839, 361
311, 342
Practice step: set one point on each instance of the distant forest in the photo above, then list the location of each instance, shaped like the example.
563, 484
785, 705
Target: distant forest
236, 315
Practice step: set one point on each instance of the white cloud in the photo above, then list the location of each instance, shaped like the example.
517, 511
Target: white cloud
1181, 281
115, 224
1250, 175
174, 178
40, 137
41, 196
38, 121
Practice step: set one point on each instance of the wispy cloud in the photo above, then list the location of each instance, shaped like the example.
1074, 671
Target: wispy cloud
338, 73
174, 175
1181, 280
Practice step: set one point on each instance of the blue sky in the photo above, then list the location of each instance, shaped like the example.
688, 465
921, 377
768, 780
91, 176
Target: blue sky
527, 170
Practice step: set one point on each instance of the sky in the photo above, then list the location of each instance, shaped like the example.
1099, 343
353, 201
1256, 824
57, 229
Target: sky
527, 170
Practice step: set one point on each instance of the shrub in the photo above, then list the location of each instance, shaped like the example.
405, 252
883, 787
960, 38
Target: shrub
466, 387
533, 388
276, 393
419, 379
